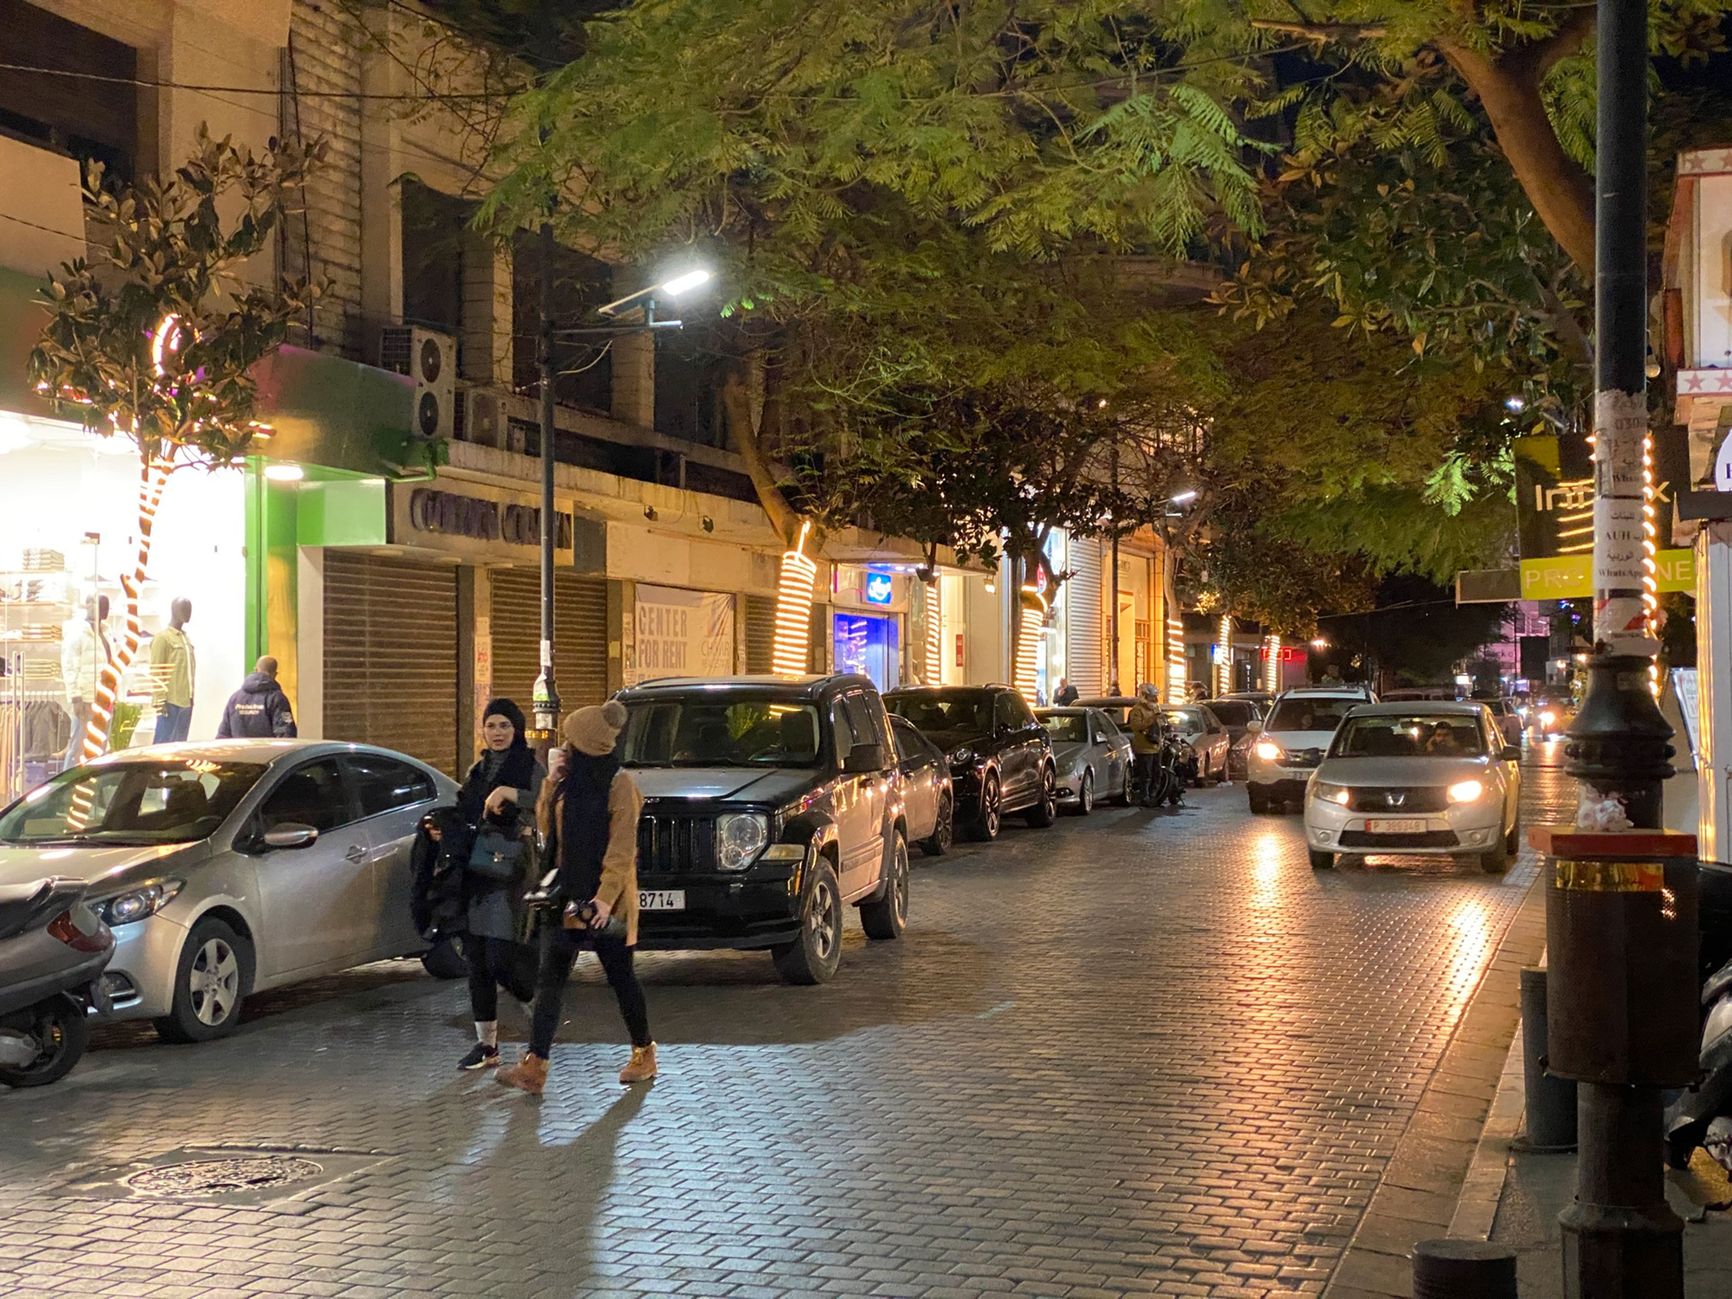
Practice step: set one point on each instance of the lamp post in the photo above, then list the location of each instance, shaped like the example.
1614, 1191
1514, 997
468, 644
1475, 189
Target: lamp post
546, 702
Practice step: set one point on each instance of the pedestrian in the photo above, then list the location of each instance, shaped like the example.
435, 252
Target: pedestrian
259, 710
1067, 694
500, 790
588, 814
1143, 724
173, 668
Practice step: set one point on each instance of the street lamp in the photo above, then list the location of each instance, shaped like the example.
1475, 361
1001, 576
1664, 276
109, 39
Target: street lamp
545, 702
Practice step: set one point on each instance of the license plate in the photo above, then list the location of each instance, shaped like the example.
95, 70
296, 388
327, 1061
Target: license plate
1396, 825
661, 900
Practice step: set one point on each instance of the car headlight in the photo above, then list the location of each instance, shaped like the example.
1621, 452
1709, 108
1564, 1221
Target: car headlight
1330, 793
124, 908
1466, 791
1267, 750
1548, 717
740, 837
962, 757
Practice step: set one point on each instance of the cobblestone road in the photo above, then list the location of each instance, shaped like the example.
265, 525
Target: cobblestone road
1140, 1054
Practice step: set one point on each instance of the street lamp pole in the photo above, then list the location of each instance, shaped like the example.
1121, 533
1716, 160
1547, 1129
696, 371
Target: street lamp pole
546, 698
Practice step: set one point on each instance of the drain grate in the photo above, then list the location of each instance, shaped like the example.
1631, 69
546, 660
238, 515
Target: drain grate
227, 1176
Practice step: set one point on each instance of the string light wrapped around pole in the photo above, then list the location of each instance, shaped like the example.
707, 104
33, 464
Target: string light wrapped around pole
1028, 633
1176, 674
1272, 664
1224, 665
934, 634
792, 651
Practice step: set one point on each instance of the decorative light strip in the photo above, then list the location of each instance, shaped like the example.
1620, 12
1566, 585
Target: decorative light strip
1272, 664
934, 634
1224, 667
1650, 558
792, 651
1028, 632
1176, 672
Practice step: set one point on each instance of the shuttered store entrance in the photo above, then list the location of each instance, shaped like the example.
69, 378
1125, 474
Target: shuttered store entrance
1084, 617
579, 636
391, 655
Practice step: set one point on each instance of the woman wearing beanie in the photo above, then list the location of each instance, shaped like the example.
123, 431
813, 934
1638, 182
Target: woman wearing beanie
502, 785
588, 813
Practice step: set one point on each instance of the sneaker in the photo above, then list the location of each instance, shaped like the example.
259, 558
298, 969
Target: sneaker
481, 1056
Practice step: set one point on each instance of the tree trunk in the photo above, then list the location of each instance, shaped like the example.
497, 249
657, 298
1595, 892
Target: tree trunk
1561, 192
152, 478
737, 411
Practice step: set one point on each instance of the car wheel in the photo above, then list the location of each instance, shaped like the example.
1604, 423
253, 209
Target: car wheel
937, 843
1045, 810
1497, 859
1254, 796
1512, 841
62, 1031
1124, 798
444, 960
812, 958
986, 820
887, 917
211, 980
1320, 860
1085, 794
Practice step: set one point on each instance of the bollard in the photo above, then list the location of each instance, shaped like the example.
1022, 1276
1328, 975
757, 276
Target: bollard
1463, 1269
1550, 1100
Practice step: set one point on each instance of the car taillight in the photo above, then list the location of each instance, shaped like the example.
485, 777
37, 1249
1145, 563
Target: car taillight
65, 928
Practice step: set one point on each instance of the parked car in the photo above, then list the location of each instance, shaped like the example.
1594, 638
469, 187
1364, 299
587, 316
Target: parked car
1237, 715
228, 868
1263, 699
1509, 721
1289, 744
1210, 744
926, 791
1417, 694
770, 804
1091, 754
1000, 757
1116, 707
1418, 777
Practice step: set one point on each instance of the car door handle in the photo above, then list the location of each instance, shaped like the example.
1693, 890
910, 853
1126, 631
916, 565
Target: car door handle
356, 854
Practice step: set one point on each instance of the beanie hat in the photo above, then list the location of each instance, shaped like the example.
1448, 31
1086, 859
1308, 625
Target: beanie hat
511, 713
595, 730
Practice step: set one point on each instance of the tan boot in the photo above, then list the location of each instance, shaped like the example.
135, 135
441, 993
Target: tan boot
528, 1074
642, 1065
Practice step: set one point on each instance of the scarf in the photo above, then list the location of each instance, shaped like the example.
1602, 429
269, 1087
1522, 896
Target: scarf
515, 769
584, 821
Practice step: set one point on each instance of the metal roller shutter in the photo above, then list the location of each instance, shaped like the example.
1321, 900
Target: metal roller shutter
760, 616
579, 636
391, 655
1083, 618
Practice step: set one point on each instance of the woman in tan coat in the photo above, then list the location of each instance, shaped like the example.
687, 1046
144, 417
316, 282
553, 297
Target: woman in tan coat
588, 814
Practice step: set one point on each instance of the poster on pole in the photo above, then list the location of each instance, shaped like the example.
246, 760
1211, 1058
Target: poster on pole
682, 633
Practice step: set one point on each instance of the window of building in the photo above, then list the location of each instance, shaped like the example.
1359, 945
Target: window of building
433, 259
689, 386
83, 118
583, 368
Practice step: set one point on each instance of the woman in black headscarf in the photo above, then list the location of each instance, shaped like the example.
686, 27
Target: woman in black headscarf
501, 788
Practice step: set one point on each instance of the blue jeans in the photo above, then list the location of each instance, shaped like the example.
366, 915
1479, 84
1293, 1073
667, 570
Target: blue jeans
173, 722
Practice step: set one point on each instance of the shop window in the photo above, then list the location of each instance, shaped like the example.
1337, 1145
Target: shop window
583, 368
85, 119
869, 646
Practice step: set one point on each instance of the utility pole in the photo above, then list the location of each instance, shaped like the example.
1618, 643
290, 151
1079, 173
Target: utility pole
546, 698
1113, 681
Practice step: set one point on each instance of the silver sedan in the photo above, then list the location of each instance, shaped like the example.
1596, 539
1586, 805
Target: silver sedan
231, 867
1091, 755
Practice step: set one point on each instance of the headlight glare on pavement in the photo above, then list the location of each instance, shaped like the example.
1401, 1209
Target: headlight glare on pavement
1268, 750
1466, 791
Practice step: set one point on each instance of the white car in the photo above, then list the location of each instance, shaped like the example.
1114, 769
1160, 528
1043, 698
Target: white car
1287, 746
1430, 778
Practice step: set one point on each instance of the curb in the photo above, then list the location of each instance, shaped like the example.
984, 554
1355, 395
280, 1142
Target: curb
1448, 1167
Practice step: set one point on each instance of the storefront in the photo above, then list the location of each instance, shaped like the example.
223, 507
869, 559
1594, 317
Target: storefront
681, 633
68, 533
868, 623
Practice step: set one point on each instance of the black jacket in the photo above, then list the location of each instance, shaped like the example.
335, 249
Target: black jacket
259, 710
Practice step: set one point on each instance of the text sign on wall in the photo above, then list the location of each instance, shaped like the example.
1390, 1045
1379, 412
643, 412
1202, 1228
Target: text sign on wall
1570, 577
682, 633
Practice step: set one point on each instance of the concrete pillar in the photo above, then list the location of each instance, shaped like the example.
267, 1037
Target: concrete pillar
487, 323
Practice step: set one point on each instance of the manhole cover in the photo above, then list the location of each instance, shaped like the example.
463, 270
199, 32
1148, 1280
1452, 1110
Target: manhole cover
226, 1176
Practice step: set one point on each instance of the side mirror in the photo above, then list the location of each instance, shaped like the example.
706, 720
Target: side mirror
1253, 728
289, 835
1512, 753
864, 760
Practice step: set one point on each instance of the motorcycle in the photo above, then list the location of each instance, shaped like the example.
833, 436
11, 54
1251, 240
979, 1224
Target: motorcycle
1175, 762
53, 950
1702, 1116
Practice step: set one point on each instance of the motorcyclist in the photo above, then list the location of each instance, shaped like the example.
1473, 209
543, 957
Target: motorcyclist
1144, 725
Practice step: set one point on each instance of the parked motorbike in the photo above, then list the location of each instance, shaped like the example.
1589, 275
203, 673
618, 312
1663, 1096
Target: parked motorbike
53, 950
1703, 1115
1175, 763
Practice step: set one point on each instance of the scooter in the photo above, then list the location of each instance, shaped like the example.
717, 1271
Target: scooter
53, 950
1702, 1116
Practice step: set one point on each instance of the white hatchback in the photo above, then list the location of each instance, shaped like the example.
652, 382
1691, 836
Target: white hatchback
1418, 777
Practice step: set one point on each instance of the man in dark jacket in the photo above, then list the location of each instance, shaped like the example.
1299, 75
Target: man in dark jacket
259, 710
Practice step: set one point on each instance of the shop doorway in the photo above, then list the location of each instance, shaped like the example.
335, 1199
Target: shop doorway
870, 646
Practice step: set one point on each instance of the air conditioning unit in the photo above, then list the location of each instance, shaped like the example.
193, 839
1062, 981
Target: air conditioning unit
483, 417
430, 358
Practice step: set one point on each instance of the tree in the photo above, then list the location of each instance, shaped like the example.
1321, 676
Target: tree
155, 340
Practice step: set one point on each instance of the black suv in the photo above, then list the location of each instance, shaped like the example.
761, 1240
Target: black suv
770, 803
1000, 756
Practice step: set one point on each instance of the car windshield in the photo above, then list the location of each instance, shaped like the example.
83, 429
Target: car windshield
1309, 714
720, 732
1233, 712
1186, 721
169, 800
946, 719
1066, 728
1409, 735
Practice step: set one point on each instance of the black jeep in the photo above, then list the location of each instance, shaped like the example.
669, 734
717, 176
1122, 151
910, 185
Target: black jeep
770, 803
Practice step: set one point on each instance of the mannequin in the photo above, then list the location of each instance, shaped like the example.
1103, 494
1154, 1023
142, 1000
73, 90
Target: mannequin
85, 654
173, 672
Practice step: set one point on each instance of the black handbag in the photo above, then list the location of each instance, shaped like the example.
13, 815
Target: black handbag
496, 856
